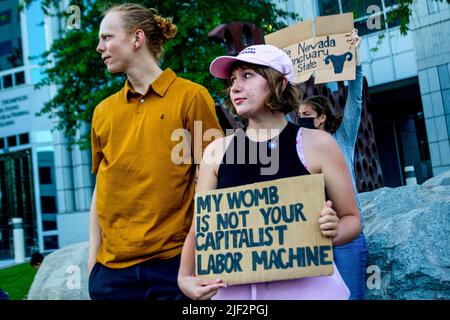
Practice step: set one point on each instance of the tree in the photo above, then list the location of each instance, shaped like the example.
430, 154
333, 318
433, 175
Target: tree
83, 81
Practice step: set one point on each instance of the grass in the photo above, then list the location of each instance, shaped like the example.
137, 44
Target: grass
16, 280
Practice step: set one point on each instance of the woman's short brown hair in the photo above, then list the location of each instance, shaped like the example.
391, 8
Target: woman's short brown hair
157, 29
282, 97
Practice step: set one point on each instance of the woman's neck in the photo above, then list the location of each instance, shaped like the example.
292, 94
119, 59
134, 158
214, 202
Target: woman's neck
265, 128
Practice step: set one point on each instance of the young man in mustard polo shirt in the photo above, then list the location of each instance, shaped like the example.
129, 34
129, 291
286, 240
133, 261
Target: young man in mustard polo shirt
142, 203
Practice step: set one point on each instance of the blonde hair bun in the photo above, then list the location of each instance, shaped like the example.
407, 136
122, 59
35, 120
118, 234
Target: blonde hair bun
168, 29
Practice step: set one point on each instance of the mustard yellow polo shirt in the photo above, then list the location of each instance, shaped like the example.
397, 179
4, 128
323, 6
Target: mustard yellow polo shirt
144, 197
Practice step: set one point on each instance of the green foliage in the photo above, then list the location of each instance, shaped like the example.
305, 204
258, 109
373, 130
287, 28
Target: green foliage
17, 280
83, 81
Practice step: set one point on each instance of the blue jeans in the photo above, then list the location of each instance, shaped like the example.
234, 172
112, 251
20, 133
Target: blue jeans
148, 280
351, 259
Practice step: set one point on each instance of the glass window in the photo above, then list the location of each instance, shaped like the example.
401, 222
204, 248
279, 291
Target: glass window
7, 81
19, 78
366, 27
5, 17
12, 141
24, 138
2, 143
45, 175
48, 204
5, 48
49, 222
433, 6
35, 19
359, 7
388, 3
11, 54
50, 242
392, 22
327, 7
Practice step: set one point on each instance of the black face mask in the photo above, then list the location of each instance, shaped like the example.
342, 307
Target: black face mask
307, 122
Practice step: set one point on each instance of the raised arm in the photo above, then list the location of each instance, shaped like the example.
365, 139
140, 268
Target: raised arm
353, 106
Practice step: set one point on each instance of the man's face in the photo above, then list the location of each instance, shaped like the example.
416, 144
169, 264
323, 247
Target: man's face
115, 44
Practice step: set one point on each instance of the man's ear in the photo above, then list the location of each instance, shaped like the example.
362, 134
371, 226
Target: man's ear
139, 38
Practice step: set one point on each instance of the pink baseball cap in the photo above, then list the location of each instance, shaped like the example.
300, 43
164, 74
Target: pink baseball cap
261, 54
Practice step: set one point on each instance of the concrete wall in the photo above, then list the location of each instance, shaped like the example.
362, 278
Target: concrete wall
429, 30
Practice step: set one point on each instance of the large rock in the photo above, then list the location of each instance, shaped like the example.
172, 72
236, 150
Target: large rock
62, 275
441, 180
407, 231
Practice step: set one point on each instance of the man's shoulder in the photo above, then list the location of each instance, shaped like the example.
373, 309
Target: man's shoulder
188, 86
112, 99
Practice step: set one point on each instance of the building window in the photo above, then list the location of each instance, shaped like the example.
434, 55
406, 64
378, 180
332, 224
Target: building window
19, 78
328, 7
363, 28
432, 6
45, 175
24, 138
392, 21
5, 17
389, 3
360, 14
50, 242
2, 143
48, 204
5, 48
7, 81
359, 8
49, 225
12, 141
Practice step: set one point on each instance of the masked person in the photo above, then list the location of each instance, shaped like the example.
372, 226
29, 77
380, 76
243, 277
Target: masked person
261, 90
317, 112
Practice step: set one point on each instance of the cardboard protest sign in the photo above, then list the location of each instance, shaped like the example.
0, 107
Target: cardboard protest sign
262, 232
327, 54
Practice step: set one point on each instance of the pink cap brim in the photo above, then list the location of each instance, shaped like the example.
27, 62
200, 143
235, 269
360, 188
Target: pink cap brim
220, 66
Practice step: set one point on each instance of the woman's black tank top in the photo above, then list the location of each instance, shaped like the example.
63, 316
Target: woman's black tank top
246, 161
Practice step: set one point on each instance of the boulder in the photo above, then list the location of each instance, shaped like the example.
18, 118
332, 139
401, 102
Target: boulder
440, 180
407, 231
62, 275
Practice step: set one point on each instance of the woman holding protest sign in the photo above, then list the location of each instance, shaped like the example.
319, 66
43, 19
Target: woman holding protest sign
317, 112
261, 90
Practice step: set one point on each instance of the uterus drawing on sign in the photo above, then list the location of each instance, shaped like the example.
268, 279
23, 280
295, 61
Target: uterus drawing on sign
338, 61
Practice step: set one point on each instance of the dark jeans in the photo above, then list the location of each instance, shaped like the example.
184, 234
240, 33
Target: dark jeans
149, 280
351, 259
